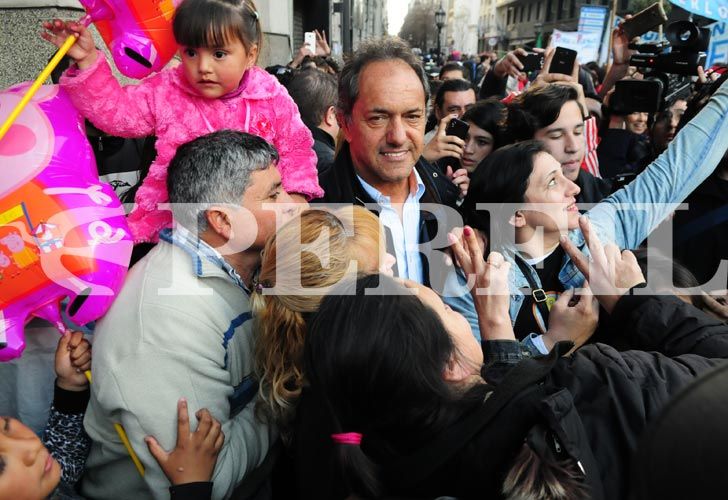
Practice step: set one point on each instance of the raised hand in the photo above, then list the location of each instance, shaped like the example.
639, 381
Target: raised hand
83, 51
573, 318
442, 144
611, 272
73, 358
322, 46
510, 65
194, 457
572, 80
620, 45
460, 178
489, 285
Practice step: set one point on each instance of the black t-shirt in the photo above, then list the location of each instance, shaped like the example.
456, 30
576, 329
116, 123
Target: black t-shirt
528, 320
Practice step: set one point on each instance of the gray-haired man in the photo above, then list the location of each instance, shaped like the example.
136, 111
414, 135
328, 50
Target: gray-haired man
180, 326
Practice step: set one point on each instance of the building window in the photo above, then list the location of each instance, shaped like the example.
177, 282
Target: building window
530, 9
523, 10
572, 9
560, 10
549, 13
538, 11
508, 17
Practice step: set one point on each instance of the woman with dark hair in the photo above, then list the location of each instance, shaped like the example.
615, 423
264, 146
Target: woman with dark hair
398, 407
484, 136
537, 203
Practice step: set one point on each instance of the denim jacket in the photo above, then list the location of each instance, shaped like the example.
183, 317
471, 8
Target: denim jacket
629, 215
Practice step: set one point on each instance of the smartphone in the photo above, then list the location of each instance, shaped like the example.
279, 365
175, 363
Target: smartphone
309, 40
531, 61
563, 61
457, 128
644, 21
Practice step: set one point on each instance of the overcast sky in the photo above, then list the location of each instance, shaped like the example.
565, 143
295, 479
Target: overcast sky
396, 10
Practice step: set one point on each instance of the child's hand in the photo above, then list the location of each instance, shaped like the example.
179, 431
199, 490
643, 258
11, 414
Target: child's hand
73, 358
83, 51
193, 458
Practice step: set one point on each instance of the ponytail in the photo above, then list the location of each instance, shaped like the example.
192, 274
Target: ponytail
360, 474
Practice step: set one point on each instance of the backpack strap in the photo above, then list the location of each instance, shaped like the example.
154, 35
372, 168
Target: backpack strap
537, 293
413, 469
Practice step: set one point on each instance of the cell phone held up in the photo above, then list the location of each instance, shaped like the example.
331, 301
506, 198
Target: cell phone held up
457, 128
531, 61
644, 21
309, 40
563, 61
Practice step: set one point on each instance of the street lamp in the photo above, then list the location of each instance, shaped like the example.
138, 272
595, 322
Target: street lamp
440, 23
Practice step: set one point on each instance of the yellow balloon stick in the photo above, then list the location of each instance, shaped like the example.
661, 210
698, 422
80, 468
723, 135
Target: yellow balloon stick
134, 458
124, 439
62, 51
36, 84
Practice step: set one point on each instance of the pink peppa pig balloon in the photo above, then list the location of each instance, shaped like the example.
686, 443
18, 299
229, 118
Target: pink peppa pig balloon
137, 32
62, 232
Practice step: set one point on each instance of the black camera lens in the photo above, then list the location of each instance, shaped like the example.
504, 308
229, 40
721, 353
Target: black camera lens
687, 35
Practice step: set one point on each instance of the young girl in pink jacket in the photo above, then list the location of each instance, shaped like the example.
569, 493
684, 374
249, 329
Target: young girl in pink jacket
217, 86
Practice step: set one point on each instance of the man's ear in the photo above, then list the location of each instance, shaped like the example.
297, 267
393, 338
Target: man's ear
218, 221
517, 219
330, 117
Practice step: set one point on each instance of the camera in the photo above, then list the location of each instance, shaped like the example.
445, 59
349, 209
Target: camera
667, 67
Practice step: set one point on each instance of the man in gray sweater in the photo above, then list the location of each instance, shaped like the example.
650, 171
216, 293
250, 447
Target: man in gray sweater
181, 325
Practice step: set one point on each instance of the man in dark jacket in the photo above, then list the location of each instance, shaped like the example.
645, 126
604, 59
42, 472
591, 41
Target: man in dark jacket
314, 92
383, 93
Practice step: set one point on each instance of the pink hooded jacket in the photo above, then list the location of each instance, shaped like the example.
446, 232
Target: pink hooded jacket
166, 105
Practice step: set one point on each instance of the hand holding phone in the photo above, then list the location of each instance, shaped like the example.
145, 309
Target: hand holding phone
531, 61
448, 141
457, 128
563, 61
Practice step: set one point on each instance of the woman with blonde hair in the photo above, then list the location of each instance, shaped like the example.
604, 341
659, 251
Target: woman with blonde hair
300, 264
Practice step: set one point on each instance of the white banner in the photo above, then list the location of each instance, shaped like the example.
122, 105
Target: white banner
585, 44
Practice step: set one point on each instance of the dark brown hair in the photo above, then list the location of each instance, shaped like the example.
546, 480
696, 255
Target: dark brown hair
213, 23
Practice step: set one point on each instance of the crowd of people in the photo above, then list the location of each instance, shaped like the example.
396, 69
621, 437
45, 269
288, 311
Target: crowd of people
353, 302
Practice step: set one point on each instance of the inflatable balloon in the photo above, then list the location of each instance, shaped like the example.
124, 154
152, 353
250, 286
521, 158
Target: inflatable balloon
137, 32
62, 232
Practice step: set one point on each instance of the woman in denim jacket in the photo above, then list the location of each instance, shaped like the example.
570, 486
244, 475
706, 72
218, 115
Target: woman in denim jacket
625, 218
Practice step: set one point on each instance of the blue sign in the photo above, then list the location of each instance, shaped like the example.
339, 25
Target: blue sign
592, 18
718, 50
712, 9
